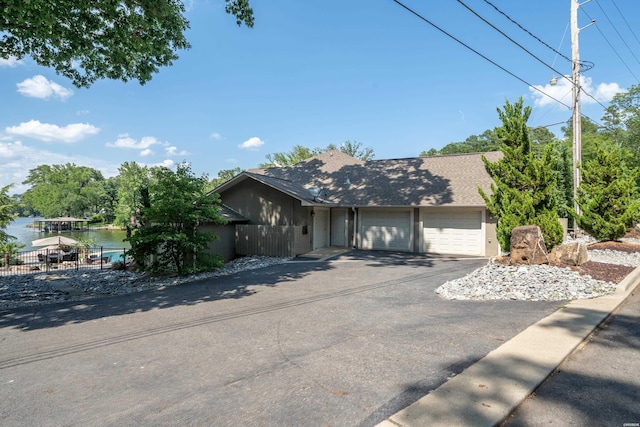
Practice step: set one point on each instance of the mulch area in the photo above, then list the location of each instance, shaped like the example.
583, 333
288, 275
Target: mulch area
598, 270
610, 272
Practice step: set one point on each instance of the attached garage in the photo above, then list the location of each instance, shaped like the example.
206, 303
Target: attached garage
386, 229
452, 231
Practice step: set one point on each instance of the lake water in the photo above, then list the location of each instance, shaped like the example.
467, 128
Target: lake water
112, 239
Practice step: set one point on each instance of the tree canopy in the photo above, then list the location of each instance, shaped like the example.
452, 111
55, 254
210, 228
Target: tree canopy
300, 153
59, 190
167, 238
622, 122
485, 142
90, 40
223, 176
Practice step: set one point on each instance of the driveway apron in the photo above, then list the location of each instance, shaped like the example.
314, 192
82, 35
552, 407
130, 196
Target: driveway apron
344, 342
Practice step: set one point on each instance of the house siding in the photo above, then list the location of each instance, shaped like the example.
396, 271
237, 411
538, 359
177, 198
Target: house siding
264, 206
225, 244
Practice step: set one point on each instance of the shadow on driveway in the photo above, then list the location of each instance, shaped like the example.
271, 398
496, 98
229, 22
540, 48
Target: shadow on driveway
235, 286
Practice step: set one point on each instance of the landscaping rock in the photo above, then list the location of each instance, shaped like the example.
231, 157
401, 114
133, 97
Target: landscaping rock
574, 253
527, 246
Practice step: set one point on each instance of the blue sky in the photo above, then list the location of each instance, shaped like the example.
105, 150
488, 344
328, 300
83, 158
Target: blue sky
314, 73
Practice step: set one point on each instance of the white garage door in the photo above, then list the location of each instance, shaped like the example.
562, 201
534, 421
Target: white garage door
451, 232
386, 229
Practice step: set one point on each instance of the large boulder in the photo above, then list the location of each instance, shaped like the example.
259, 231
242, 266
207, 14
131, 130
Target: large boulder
574, 253
527, 246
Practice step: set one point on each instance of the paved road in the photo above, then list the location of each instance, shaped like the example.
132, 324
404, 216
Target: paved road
340, 343
597, 385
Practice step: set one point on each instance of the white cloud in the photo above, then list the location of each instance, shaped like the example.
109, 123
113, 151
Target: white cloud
10, 62
253, 143
147, 152
17, 159
48, 133
42, 88
168, 163
215, 136
125, 141
173, 151
562, 91
231, 160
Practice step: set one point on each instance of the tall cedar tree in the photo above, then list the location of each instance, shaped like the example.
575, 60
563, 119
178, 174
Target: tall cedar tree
608, 194
167, 238
524, 188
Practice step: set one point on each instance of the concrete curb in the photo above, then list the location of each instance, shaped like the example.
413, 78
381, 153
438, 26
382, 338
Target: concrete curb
489, 390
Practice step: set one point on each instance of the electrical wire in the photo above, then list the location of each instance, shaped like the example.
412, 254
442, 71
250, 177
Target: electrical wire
419, 16
617, 32
625, 21
561, 42
612, 48
584, 65
512, 40
408, 9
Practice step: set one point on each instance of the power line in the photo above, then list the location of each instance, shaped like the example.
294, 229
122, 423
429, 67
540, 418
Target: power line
521, 47
399, 3
512, 40
584, 65
625, 21
617, 32
419, 16
612, 47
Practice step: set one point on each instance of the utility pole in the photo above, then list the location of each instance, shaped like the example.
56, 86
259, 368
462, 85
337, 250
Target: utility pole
577, 122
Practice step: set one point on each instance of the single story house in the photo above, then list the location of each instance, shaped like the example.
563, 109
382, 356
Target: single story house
422, 204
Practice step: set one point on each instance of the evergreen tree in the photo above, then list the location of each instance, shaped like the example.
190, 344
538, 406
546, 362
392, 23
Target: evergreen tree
608, 195
524, 188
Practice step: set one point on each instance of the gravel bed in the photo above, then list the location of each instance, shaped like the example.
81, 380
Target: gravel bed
71, 285
529, 283
537, 282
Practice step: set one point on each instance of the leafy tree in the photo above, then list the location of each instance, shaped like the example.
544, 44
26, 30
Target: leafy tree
300, 153
6, 215
167, 240
296, 155
485, 142
223, 176
131, 181
68, 189
540, 137
622, 122
592, 135
608, 194
90, 40
355, 149
524, 188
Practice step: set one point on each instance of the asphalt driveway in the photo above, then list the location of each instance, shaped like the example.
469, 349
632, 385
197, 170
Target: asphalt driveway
346, 342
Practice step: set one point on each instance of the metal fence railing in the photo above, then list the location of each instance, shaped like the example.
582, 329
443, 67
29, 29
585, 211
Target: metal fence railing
63, 258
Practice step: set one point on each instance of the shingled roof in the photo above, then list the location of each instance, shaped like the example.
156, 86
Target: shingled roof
346, 181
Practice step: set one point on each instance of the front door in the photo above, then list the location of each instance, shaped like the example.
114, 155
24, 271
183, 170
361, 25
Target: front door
320, 228
339, 218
